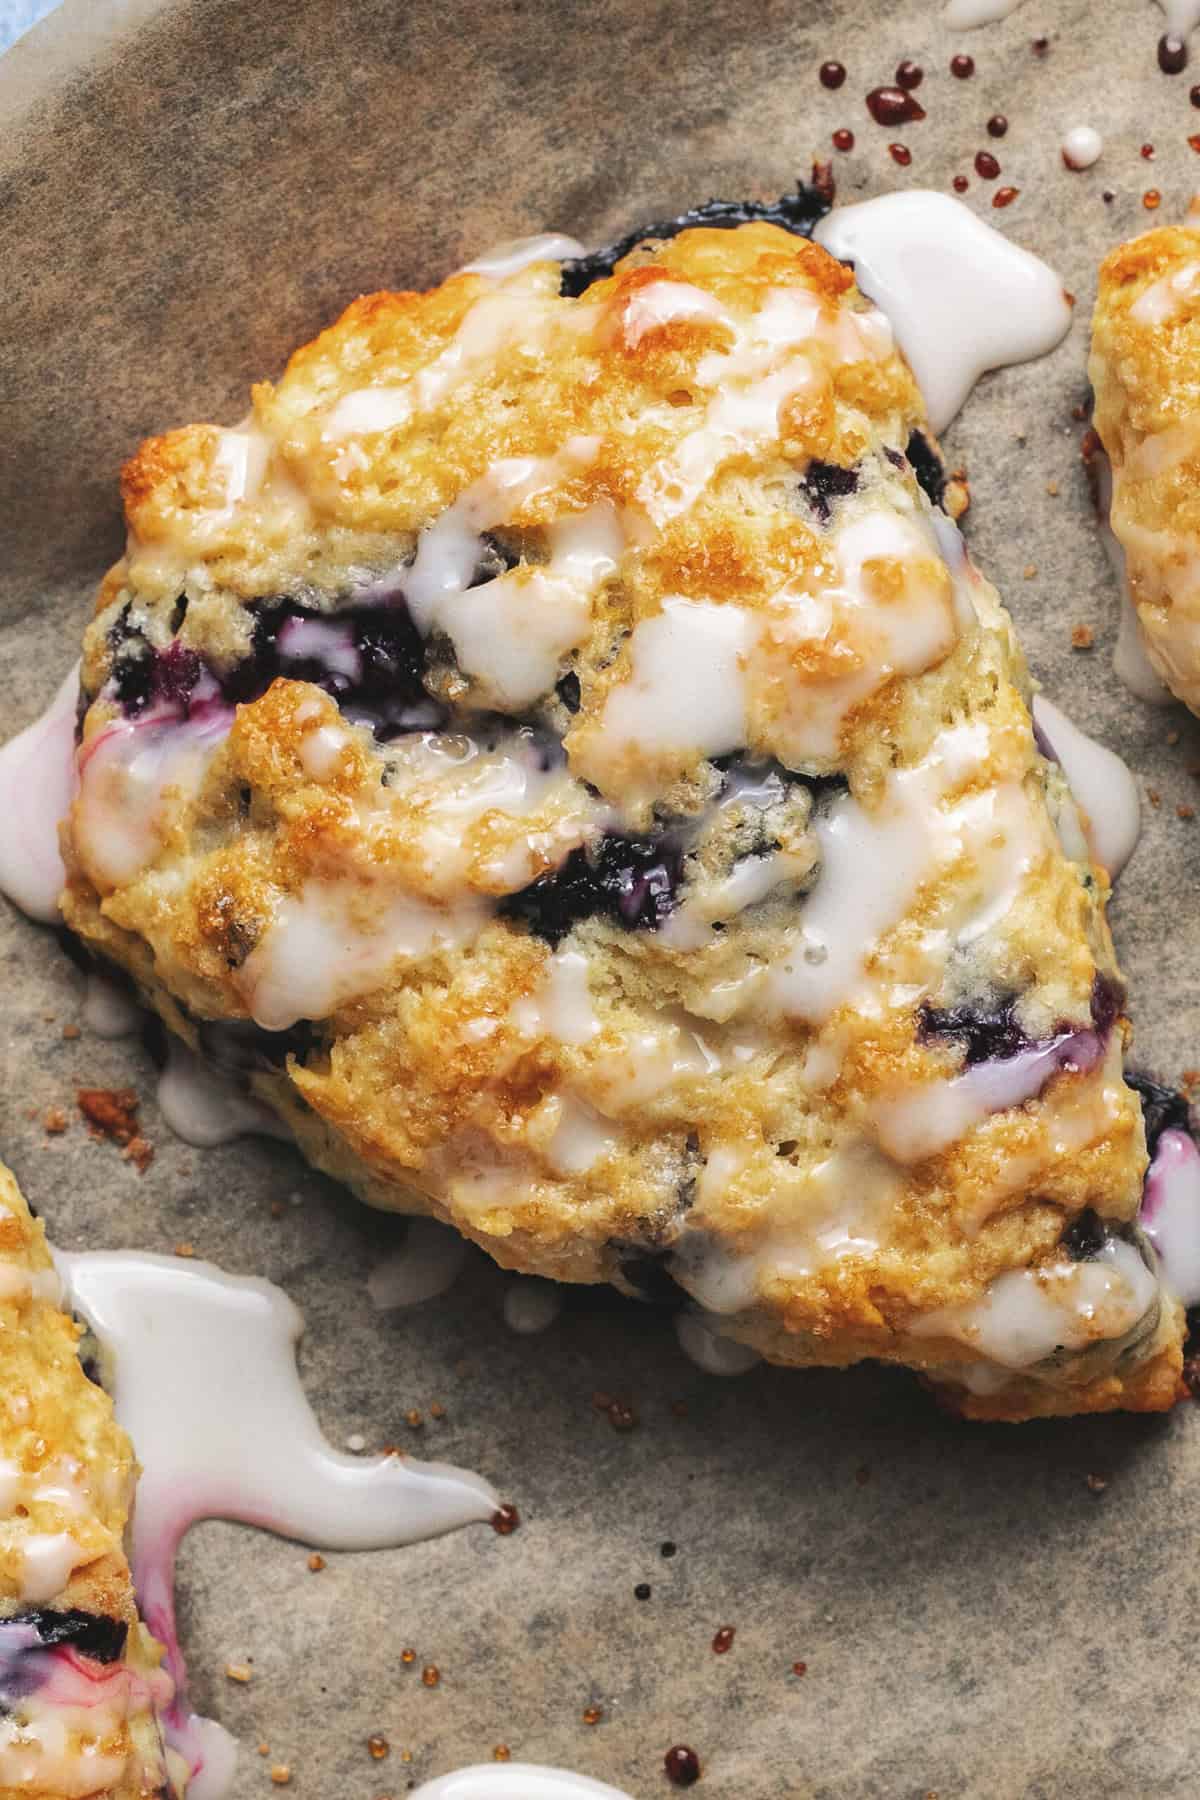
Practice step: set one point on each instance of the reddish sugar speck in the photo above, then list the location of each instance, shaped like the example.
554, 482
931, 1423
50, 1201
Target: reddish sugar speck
843, 139
909, 75
986, 166
505, 1520
1151, 199
901, 154
682, 1765
723, 1640
1172, 54
961, 184
893, 106
997, 125
1148, 152
832, 74
1005, 196
964, 67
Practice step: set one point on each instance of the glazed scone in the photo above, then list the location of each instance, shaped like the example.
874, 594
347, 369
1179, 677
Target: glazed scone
1145, 372
555, 747
81, 1682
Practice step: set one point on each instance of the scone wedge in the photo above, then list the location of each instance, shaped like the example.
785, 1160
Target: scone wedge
81, 1681
558, 749
1145, 373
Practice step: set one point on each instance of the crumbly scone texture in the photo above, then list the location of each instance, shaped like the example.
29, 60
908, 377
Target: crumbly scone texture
556, 748
80, 1678
1145, 373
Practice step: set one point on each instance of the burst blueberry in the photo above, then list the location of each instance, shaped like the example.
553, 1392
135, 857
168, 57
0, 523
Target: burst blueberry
631, 881
986, 1031
823, 482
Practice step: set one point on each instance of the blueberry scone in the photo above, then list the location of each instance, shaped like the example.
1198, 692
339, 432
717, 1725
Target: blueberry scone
81, 1686
558, 749
1145, 372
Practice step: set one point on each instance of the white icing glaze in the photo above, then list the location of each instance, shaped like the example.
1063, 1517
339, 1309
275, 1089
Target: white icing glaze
969, 15
689, 927
1026, 1314
516, 1781
17, 1283
204, 1106
834, 1208
891, 611
1180, 17
1162, 301
874, 863
1102, 785
961, 298
506, 259
626, 1071
513, 313
1131, 664
1081, 147
36, 1756
47, 1561
129, 773
685, 691
704, 1344
766, 367
426, 1265
37, 782
1170, 1214
581, 1136
660, 303
511, 632
530, 1305
336, 940
110, 1008
919, 1121
206, 1385
561, 1006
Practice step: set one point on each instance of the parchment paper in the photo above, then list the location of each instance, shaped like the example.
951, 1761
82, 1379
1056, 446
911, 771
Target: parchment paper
188, 190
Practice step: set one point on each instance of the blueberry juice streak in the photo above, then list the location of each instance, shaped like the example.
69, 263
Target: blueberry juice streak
370, 658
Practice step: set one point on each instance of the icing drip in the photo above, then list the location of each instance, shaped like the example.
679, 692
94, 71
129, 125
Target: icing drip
110, 1009
1027, 1314
1081, 147
969, 15
37, 781
1170, 1214
516, 1781
1180, 16
961, 298
246, 1444
702, 1342
1131, 664
1103, 787
530, 1305
505, 259
205, 1107
427, 1264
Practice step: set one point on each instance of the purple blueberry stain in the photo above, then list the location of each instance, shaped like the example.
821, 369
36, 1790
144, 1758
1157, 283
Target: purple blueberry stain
27, 1637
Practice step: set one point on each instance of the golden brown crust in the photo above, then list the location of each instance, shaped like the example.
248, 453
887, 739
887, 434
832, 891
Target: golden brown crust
1145, 371
72, 1472
721, 425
